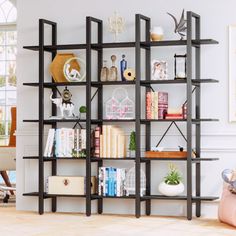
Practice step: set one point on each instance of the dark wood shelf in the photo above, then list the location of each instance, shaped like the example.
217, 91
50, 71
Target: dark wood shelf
112, 159
51, 85
52, 121
194, 121
195, 43
51, 48
177, 81
96, 46
162, 197
45, 195
194, 160
97, 121
95, 196
101, 83
54, 158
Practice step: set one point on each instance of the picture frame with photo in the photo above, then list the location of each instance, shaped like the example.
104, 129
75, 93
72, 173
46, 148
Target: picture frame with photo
159, 70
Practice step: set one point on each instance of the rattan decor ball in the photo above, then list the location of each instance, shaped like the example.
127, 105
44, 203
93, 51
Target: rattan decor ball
130, 182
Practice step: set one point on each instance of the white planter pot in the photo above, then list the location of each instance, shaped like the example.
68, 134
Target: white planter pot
171, 190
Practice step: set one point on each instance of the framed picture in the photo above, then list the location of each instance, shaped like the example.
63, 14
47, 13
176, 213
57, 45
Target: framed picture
232, 73
158, 70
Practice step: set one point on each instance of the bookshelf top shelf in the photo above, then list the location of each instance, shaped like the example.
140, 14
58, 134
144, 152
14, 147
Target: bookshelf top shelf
96, 46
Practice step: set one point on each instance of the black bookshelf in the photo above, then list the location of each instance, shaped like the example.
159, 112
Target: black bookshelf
193, 42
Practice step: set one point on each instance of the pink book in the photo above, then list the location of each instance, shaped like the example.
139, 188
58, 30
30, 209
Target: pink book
97, 142
148, 106
162, 104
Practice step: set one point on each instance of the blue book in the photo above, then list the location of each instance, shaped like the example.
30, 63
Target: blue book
107, 182
114, 181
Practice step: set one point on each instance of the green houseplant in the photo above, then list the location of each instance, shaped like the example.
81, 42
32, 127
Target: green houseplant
172, 184
132, 144
82, 112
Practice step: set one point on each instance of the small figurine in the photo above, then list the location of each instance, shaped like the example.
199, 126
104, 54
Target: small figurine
64, 103
113, 73
123, 67
180, 28
104, 72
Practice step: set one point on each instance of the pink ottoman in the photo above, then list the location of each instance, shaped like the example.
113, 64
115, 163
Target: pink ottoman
227, 207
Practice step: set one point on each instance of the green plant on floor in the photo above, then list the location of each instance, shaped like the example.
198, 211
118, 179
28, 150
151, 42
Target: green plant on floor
82, 109
132, 142
173, 177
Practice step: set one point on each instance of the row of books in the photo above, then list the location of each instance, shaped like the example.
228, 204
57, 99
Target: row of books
156, 105
109, 142
65, 142
111, 181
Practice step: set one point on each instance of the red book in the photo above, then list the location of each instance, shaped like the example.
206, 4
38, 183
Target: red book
97, 141
174, 117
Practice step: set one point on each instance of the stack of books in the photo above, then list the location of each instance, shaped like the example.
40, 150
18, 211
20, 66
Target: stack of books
156, 105
65, 142
174, 114
109, 142
111, 181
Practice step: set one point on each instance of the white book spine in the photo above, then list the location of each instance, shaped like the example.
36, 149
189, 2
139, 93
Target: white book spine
118, 193
51, 142
83, 138
47, 144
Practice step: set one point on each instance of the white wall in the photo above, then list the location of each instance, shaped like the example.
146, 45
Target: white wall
217, 138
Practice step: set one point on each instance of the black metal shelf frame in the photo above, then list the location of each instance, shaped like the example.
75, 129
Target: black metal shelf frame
192, 80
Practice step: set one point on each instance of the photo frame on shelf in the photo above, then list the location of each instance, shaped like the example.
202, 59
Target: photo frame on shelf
232, 73
158, 70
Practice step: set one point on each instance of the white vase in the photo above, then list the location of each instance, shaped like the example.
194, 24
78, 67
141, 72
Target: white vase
171, 190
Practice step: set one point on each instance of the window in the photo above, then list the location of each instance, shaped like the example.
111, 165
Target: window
8, 37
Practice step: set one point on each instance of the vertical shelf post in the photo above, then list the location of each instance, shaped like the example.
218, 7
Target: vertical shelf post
88, 116
137, 114
54, 111
198, 114
41, 117
148, 124
189, 115
100, 98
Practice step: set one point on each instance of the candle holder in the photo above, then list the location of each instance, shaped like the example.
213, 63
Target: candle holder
180, 66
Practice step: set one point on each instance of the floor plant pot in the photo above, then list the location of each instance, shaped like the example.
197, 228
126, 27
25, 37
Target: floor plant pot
171, 190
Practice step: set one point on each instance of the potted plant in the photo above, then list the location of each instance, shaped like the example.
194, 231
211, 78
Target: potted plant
132, 144
82, 112
172, 184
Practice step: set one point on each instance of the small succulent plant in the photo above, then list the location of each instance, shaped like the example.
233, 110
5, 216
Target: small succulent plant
173, 177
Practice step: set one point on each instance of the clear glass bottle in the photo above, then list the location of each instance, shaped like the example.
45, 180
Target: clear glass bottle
113, 72
104, 72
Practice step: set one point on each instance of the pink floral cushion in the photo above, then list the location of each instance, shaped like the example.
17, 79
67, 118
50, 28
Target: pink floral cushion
227, 207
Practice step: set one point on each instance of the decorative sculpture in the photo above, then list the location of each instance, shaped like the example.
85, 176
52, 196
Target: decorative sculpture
73, 74
180, 27
64, 104
116, 25
113, 72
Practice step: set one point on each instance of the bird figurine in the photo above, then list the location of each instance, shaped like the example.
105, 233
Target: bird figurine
180, 27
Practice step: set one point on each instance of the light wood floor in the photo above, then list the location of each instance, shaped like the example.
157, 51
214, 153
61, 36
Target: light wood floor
15, 223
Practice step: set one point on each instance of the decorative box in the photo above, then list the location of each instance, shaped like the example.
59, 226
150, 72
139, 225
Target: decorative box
69, 185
